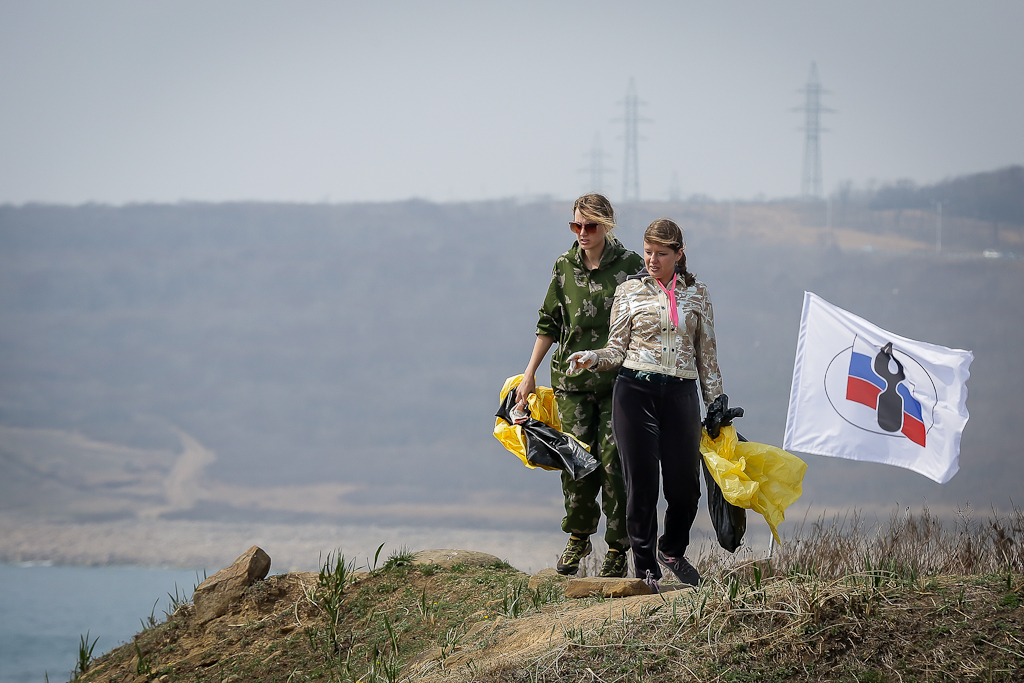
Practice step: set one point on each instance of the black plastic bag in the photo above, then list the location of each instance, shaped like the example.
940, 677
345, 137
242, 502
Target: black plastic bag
730, 521
548, 447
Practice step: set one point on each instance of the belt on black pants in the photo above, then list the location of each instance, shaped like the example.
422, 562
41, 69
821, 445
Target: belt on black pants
652, 377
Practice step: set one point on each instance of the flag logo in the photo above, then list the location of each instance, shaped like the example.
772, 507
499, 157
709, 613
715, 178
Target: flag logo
891, 383
882, 390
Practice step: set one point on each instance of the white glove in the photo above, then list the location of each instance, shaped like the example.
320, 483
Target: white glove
580, 361
519, 416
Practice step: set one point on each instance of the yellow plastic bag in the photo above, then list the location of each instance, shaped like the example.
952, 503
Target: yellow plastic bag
542, 407
754, 476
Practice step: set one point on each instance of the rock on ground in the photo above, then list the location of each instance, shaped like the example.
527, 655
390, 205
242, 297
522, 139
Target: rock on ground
608, 587
548, 575
213, 596
446, 558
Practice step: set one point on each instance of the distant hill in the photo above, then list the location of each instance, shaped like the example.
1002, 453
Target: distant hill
996, 196
221, 359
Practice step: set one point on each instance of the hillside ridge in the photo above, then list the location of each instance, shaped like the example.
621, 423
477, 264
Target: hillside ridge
454, 615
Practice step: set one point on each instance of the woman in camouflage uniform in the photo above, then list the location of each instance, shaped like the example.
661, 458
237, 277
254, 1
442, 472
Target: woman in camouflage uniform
575, 316
662, 336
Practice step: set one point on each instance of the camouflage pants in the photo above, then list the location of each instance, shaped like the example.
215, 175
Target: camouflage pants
588, 417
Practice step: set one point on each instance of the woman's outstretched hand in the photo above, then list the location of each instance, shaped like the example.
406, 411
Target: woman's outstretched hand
580, 361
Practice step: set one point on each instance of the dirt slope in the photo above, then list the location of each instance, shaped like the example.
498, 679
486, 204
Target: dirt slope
486, 623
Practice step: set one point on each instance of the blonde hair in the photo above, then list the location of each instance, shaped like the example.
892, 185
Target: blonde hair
665, 232
597, 209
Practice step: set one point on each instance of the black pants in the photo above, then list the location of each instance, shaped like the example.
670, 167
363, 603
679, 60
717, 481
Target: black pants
657, 426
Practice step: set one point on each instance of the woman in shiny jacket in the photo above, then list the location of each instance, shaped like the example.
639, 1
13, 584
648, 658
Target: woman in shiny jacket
662, 340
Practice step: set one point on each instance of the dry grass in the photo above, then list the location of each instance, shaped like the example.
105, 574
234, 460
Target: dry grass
904, 600
857, 628
909, 544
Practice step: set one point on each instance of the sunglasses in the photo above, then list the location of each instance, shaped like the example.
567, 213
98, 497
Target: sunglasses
583, 228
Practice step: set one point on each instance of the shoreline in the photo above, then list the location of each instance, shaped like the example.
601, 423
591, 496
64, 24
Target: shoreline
213, 545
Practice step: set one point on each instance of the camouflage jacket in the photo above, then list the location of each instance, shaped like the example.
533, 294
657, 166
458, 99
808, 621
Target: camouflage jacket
577, 307
642, 336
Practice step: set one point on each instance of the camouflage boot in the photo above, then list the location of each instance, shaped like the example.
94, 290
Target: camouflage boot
614, 565
575, 550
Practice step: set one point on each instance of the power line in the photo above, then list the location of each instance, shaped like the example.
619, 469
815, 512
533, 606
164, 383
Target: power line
596, 169
811, 185
631, 162
674, 193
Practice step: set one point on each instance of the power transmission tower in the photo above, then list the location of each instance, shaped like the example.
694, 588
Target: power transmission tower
597, 169
631, 164
674, 193
811, 186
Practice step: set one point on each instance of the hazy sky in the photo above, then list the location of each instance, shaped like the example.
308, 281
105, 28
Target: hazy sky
167, 100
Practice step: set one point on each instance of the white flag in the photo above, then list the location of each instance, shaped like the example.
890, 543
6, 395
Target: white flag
862, 393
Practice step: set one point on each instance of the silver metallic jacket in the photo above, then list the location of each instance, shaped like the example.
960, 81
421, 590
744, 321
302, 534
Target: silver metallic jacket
642, 337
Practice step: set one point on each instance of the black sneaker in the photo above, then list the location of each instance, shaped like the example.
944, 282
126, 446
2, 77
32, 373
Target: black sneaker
684, 571
651, 582
575, 550
614, 566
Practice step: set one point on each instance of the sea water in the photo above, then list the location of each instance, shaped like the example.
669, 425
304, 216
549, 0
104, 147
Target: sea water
45, 611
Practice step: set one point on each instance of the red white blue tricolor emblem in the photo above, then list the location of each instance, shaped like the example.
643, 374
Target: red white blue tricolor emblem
873, 383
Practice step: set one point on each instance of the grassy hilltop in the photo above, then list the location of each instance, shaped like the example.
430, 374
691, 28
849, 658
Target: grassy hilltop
907, 602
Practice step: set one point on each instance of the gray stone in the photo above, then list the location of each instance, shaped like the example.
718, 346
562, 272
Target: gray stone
213, 597
610, 588
446, 558
549, 575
